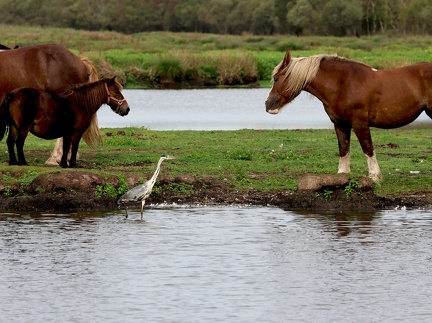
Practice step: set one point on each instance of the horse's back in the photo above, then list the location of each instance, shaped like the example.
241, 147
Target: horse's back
50, 67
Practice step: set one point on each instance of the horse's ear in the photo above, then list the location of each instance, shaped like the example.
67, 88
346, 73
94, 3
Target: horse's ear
111, 80
287, 59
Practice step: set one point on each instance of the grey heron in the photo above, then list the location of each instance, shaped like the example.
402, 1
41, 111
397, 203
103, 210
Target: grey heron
143, 191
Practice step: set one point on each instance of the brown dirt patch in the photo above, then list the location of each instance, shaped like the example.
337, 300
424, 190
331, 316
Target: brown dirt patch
75, 191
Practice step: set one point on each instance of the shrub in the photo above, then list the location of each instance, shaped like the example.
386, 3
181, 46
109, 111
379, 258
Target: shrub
170, 68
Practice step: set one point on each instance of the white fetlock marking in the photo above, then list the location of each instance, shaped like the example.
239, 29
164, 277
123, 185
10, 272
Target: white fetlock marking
344, 164
56, 154
374, 169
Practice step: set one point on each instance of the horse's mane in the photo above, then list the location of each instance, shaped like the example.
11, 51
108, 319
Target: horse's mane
302, 70
90, 95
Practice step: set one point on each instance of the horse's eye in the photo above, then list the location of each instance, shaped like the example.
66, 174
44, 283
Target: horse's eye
276, 79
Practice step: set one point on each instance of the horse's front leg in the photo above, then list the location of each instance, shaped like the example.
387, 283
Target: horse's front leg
364, 136
343, 135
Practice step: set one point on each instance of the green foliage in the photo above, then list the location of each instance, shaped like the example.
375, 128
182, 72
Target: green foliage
240, 155
326, 194
180, 187
106, 190
109, 189
26, 179
353, 186
170, 68
7, 191
122, 185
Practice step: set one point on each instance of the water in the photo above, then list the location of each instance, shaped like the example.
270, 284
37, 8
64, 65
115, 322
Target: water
230, 264
216, 109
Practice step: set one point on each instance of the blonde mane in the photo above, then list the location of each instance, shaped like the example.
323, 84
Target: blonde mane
301, 71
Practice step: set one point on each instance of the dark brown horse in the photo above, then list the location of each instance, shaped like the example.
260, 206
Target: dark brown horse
355, 97
51, 68
48, 115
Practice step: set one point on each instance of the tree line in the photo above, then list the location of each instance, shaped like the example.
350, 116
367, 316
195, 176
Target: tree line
260, 17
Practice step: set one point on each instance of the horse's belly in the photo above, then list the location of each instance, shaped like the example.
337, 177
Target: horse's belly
47, 131
394, 117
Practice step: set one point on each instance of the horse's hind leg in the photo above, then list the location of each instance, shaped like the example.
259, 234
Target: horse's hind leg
343, 135
364, 136
55, 158
74, 151
57, 153
66, 147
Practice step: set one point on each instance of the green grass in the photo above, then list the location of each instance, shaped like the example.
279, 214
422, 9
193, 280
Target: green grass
135, 58
260, 159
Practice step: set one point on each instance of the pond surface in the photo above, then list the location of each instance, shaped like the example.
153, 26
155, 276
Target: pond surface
207, 264
216, 109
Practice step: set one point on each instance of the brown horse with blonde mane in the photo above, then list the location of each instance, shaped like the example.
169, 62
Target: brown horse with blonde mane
50, 115
355, 97
51, 68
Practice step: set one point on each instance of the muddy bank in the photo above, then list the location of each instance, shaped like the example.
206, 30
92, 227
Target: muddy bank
69, 191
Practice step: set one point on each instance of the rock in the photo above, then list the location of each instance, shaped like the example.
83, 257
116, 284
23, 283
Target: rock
67, 181
313, 182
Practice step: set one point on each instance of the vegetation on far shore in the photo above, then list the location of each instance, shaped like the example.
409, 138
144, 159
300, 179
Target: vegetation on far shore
158, 59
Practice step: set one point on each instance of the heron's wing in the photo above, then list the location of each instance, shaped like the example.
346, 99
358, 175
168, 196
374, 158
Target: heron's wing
136, 194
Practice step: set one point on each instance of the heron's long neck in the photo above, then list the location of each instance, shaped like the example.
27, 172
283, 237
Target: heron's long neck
156, 173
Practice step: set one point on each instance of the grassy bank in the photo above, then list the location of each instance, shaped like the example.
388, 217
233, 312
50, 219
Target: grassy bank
262, 160
147, 59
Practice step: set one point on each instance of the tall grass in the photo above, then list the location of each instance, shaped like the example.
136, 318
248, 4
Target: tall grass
215, 59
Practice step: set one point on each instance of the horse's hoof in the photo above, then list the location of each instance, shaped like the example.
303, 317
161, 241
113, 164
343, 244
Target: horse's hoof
51, 163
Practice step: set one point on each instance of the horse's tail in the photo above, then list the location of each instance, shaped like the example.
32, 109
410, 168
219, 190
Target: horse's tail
4, 113
92, 136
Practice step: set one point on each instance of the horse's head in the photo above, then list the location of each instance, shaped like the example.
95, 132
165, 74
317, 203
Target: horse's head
280, 94
115, 99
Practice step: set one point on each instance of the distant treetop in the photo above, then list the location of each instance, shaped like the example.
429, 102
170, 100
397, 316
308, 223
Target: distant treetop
260, 17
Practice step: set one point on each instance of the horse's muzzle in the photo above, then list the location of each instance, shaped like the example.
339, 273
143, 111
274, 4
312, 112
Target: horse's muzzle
274, 111
123, 111
272, 105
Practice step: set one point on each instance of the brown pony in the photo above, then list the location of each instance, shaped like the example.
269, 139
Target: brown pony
49, 115
51, 68
355, 96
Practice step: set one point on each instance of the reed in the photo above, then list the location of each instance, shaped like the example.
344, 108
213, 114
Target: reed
217, 59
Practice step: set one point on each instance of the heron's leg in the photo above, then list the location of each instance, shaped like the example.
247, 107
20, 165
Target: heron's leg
142, 208
126, 215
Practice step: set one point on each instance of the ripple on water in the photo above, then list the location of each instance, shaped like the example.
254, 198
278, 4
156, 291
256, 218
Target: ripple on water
230, 264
